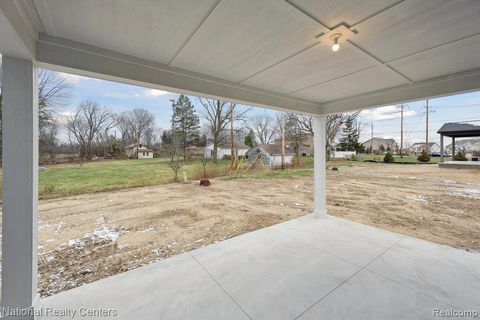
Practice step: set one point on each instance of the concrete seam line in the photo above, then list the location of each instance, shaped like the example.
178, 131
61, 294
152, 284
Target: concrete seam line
224, 290
353, 275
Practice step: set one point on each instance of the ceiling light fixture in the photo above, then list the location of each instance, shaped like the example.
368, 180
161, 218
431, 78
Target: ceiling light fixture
335, 38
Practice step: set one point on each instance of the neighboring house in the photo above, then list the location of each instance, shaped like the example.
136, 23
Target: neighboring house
194, 152
342, 154
271, 154
380, 145
225, 149
139, 151
467, 146
306, 148
418, 147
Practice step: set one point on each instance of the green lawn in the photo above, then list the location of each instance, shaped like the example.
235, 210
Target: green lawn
73, 179
66, 180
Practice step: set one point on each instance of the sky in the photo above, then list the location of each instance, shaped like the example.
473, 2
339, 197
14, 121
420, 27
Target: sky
386, 120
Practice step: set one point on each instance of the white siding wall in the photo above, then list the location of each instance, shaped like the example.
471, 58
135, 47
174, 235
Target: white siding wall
343, 154
276, 160
145, 154
221, 152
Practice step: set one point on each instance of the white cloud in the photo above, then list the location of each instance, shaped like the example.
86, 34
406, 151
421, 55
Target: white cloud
71, 78
386, 113
155, 92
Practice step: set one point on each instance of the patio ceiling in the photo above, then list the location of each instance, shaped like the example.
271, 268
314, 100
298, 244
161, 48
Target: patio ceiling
271, 53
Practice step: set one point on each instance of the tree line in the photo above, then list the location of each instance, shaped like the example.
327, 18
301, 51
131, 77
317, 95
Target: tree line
94, 130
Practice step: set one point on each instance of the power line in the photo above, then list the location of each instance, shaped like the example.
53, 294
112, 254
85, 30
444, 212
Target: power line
436, 121
458, 105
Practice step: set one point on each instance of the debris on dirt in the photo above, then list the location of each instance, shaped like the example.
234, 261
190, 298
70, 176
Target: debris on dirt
205, 182
418, 198
471, 193
334, 168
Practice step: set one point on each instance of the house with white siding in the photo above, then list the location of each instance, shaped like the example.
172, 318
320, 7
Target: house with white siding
138, 151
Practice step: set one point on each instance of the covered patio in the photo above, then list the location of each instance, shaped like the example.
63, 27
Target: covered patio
306, 56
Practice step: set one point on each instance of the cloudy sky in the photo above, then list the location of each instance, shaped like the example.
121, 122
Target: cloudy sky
386, 120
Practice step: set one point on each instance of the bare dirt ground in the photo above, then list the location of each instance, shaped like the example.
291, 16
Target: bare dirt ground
89, 237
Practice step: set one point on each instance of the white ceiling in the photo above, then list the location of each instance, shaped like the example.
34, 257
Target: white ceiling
277, 45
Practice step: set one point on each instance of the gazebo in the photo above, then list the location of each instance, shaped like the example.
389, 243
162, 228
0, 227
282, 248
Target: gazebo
456, 130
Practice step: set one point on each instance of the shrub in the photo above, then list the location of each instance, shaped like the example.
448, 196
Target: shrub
48, 190
423, 157
388, 158
460, 156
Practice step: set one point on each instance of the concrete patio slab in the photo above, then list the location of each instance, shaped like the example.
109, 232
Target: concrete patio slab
273, 276
293, 271
445, 273
369, 296
354, 242
177, 288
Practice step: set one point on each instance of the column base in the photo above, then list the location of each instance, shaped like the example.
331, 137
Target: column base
320, 214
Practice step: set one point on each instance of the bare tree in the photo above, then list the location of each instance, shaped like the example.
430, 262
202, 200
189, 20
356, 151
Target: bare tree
175, 165
123, 125
153, 136
135, 125
334, 123
264, 127
86, 124
295, 133
218, 114
53, 90
302, 126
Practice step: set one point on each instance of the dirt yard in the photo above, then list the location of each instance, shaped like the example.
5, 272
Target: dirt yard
89, 237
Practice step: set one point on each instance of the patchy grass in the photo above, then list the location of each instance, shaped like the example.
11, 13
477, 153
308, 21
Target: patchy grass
67, 180
274, 174
72, 179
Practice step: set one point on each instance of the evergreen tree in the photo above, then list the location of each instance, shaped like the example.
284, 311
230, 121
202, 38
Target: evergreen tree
350, 136
185, 124
250, 139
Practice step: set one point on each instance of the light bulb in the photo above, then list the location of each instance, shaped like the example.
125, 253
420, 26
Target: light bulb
335, 38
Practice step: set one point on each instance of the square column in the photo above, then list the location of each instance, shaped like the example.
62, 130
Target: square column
20, 184
453, 148
319, 166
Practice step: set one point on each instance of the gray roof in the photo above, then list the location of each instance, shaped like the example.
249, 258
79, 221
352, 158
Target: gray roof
461, 143
423, 143
133, 145
227, 145
388, 141
458, 129
274, 149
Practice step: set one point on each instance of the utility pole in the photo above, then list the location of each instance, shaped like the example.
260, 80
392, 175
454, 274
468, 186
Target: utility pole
282, 128
371, 138
401, 131
232, 140
426, 127
138, 142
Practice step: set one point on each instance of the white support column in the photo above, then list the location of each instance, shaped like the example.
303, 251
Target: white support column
319, 168
20, 184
